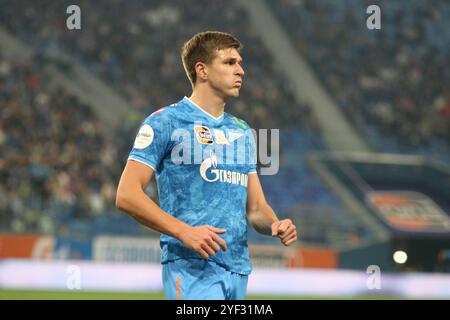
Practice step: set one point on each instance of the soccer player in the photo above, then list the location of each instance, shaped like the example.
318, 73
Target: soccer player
205, 167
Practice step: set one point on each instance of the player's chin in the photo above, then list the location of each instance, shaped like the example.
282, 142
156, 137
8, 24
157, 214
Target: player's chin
234, 92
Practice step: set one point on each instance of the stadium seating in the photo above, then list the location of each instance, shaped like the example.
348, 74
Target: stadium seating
391, 83
45, 181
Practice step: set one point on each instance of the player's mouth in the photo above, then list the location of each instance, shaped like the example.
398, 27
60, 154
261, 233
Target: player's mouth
238, 83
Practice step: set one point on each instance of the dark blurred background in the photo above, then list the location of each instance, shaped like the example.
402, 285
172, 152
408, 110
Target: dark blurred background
364, 119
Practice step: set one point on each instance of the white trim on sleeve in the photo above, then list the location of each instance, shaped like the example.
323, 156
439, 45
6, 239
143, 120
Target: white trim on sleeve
141, 161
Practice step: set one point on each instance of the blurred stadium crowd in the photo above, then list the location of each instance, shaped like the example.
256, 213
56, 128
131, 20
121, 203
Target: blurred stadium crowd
58, 171
134, 46
393, 85
54, 159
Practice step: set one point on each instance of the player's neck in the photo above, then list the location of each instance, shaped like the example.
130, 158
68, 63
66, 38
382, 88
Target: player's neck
209, 102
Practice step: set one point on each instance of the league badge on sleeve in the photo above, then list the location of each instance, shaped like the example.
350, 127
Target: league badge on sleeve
144, 137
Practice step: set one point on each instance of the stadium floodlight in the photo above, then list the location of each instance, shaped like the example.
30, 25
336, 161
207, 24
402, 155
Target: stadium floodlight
400, 257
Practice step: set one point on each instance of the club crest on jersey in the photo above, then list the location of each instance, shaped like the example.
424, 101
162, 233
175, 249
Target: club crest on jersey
220, 138
235, 134
203, 135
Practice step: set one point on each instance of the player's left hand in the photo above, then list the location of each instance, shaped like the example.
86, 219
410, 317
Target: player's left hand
285, 230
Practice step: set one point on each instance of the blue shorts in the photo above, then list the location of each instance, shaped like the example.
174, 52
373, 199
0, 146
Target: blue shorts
199, 279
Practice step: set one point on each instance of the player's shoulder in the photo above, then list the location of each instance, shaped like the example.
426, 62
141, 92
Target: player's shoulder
237, 122
164, 114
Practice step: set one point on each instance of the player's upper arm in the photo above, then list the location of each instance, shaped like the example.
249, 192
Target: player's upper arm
134, 179
255, 194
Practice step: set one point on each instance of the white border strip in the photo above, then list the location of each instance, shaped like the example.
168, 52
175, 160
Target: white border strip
139, 277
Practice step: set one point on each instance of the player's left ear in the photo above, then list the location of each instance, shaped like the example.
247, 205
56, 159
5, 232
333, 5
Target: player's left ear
201, 69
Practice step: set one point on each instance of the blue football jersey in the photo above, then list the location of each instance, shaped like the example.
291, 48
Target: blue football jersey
201, 165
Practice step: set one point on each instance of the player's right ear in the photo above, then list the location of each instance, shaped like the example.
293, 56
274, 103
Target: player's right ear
202, 72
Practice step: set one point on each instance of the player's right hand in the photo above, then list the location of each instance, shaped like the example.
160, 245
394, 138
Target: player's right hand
204, 240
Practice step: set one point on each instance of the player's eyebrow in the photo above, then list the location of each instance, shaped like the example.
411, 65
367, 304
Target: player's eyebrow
233, 60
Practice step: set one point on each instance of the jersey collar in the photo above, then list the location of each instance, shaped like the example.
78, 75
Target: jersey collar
188, 101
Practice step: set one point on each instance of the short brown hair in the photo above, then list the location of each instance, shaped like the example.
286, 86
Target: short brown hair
201, 48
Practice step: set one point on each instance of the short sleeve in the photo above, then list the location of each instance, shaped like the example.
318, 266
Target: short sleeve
152, 141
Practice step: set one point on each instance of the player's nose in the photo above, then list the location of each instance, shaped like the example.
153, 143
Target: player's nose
240, 71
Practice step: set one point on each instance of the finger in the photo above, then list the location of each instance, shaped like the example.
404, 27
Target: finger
203, 253
213, 245
291, 239
220, 241
288, 243
208, 249
290, 236
275, 226
283, 226
216, 230
290, 229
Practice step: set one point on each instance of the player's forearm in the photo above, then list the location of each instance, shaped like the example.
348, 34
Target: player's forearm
137, 204
262, 218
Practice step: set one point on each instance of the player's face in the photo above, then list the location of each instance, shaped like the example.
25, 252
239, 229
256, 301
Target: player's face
225, 72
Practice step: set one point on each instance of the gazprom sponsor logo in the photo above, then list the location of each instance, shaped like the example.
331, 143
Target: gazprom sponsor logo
210, 173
